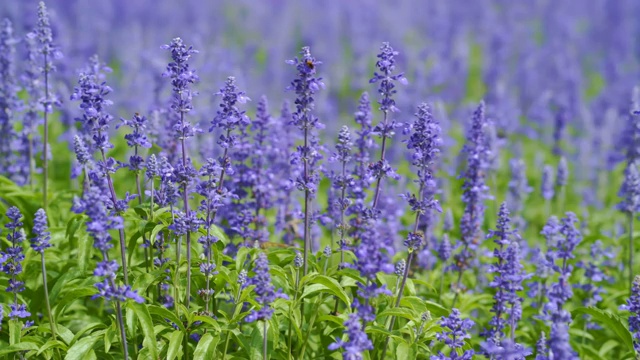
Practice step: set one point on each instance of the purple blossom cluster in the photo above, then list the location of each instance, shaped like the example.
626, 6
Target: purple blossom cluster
264, 289
11, 263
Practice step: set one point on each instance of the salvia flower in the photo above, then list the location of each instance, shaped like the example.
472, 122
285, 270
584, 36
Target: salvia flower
424, 143
519, 189
542, 351
563, 173
9, 103
563, 250
455, 331
42, 236
507, 281
475, 190
505, 350
94, 203
182, 77
386, 66
95, 120
546, 188
633, 306
600, 258
264, 289
11, 262
357, 342
630, 190
137, 139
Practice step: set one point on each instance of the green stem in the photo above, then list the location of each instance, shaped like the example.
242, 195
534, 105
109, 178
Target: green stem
295, 298
631, 252
264, 341
52, 323
311, 322
45, 140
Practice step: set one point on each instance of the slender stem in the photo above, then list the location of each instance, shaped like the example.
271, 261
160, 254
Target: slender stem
52, 323
185, 200
45, 140
235, 306
144, 235
442, 281
31, 161
311, 322
382, 155
295, 298
307, 221
631, 252
405, 275
264, 341
123, 334
114, 199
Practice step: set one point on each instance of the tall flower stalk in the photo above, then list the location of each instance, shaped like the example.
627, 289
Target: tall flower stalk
630, 205
563, 251
475, 191
633, 306
137, 140
424, 141
10, 104
266, 294
630, 189
40, 242
49, 52
95, 120
11, 262
182, 77
364, 145
305, 86
96, 205
509, 274
386, 65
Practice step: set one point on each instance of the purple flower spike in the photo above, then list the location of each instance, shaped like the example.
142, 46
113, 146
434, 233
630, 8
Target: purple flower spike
455, 331
633, 306
11, 262
42, 238
265, 291
357, 342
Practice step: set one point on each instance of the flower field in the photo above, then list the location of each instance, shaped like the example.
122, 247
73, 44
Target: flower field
319, 180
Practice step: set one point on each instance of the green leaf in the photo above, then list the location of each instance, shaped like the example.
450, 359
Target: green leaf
15, 332
165, 314
175, 342
610, 321
146, 324
23, 346
207, 320
205, 349
405, 351
400, 312
85, 330
325, 283
81, 349
72, 296
52, 344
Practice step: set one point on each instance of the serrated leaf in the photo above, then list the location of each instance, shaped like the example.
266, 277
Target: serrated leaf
608, 321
